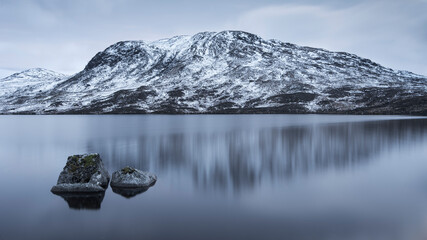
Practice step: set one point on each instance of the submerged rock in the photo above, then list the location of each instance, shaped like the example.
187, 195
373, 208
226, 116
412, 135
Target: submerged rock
82, 174
132, 178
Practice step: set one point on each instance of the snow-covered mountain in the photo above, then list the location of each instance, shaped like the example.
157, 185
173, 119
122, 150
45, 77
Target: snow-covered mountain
29, 81
225, 72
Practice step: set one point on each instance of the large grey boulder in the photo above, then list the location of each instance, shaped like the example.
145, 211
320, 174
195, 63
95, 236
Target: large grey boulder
82, 174
129, 177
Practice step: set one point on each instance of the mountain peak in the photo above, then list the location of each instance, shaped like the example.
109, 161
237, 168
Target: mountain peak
224, 72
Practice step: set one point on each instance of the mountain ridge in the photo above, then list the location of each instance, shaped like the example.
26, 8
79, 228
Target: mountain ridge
225, 72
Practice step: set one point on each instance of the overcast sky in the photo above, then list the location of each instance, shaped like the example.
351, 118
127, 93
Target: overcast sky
63, 35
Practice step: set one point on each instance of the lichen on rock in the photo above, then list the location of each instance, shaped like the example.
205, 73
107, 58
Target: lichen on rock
82, 173
128, 170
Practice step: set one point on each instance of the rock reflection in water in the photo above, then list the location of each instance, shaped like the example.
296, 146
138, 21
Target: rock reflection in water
83, 200
129, 192
238, 159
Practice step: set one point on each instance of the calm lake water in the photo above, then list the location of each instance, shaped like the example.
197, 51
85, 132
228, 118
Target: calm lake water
221, 177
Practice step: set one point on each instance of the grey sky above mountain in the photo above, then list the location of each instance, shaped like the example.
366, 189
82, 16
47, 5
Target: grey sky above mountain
63, 35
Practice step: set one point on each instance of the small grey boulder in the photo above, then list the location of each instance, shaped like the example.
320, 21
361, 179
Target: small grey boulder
129, 177
82, 174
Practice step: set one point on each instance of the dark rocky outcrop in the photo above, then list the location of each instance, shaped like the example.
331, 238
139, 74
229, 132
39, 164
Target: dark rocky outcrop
82, 174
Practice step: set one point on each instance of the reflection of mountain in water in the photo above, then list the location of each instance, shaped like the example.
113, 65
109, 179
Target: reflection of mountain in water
239, 159
83, 200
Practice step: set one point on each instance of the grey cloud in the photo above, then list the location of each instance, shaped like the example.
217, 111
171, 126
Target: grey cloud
390, 33
63, 35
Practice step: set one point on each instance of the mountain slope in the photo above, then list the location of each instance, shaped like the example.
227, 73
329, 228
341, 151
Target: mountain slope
22, 89
225, 72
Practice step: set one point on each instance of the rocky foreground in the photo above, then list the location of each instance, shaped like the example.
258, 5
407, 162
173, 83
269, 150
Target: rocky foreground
82, 174
84, 179
130, 182
225, 72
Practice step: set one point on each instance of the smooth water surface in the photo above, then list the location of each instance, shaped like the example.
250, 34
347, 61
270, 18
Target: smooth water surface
221, 177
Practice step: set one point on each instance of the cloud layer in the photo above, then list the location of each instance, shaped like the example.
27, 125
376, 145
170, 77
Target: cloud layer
391, 33
64, 35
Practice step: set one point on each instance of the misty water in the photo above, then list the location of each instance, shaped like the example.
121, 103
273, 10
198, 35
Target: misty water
220, 177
